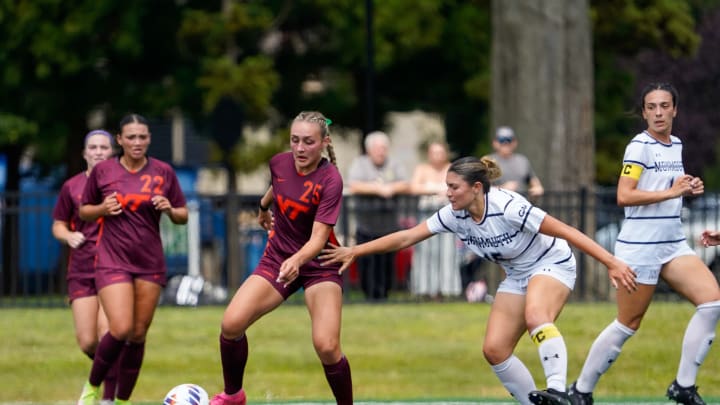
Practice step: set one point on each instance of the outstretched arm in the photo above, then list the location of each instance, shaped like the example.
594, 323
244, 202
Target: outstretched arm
619, 272
388, 243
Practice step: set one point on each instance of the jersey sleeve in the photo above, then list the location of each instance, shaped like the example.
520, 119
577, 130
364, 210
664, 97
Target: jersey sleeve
64, 207
443, 221
91, 193
634, 160
523, 215
330, 200
174, 193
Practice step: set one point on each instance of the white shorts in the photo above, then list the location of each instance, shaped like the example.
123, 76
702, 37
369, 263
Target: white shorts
649, 274
564, 273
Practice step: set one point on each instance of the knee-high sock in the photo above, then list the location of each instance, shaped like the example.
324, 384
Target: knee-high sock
603, 353
110, 382
340, 380
699, 335
106, 354
233, 355
553, 354
516, 378
129, 369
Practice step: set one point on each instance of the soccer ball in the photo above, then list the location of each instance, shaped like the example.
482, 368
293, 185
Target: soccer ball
186, 394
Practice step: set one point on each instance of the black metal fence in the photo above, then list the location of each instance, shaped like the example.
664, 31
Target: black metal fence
34, 264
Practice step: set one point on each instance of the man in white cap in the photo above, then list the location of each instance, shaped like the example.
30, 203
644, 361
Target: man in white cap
517, 173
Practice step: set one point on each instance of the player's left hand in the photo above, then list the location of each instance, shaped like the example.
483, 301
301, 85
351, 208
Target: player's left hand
161, 203
621, 274
697, 186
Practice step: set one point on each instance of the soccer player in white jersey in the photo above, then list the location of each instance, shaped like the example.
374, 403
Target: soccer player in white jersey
532, 247
651, 187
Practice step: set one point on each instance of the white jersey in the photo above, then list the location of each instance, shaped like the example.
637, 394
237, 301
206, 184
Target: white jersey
507, 234
650, 229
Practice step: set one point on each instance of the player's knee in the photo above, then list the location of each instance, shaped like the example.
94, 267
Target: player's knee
87, 343
495, 353
326, 347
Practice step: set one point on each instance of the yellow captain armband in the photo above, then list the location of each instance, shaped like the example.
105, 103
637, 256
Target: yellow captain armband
631, 170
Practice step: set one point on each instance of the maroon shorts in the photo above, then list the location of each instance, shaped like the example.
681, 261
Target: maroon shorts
304, 280
105, 277
81, 288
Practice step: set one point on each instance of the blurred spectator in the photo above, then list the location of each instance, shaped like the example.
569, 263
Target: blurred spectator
517, 173
375, 180
436, 262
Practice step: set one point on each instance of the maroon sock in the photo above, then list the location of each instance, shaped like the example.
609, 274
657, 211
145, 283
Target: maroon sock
233, 354
110, 382
340, 380
106, 354
129, 365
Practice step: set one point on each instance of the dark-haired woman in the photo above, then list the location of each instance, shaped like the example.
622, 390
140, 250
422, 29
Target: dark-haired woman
130, 193
651, 187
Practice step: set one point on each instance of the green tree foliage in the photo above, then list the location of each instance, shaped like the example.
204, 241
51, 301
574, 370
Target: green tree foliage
431, 55
61, 60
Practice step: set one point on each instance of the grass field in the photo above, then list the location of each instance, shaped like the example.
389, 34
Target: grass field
399, 353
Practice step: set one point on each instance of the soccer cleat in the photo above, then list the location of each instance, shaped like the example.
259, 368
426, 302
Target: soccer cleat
549, 396
579, 398
90, 394
684, 395
222, 398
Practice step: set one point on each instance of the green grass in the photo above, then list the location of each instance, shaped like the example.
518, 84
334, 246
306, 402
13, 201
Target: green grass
397, 352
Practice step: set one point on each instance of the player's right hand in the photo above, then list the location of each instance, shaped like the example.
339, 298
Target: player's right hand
266, 219
75, 239
112, 205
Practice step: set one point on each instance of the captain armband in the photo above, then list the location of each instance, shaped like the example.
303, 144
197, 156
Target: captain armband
631, 170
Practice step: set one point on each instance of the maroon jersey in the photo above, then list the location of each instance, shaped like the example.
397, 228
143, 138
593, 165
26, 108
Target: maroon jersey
131, 241
66, 208
298, 201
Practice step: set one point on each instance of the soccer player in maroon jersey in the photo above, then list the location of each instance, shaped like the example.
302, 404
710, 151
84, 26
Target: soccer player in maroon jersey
88, 316
129, 193
306, 194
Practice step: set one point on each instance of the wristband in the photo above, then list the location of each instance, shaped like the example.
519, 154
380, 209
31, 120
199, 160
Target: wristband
263, 209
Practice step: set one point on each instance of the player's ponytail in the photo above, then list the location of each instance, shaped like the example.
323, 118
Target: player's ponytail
474, 170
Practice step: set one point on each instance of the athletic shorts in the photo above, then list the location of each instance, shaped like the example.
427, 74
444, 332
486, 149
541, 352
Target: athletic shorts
304, 280
564, 272
81, 288
649, 274
106, 277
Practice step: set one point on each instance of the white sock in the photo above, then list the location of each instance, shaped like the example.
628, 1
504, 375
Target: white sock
699, 335
516, 378
553, 355
603, 353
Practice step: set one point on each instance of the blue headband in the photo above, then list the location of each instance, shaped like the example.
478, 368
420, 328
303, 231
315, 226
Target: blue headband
98, 132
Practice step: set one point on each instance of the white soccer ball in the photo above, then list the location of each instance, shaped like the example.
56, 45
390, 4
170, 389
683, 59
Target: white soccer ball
187, 394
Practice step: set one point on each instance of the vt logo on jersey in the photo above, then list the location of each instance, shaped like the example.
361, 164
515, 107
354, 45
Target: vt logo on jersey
150, 185
131, 200
292, 208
